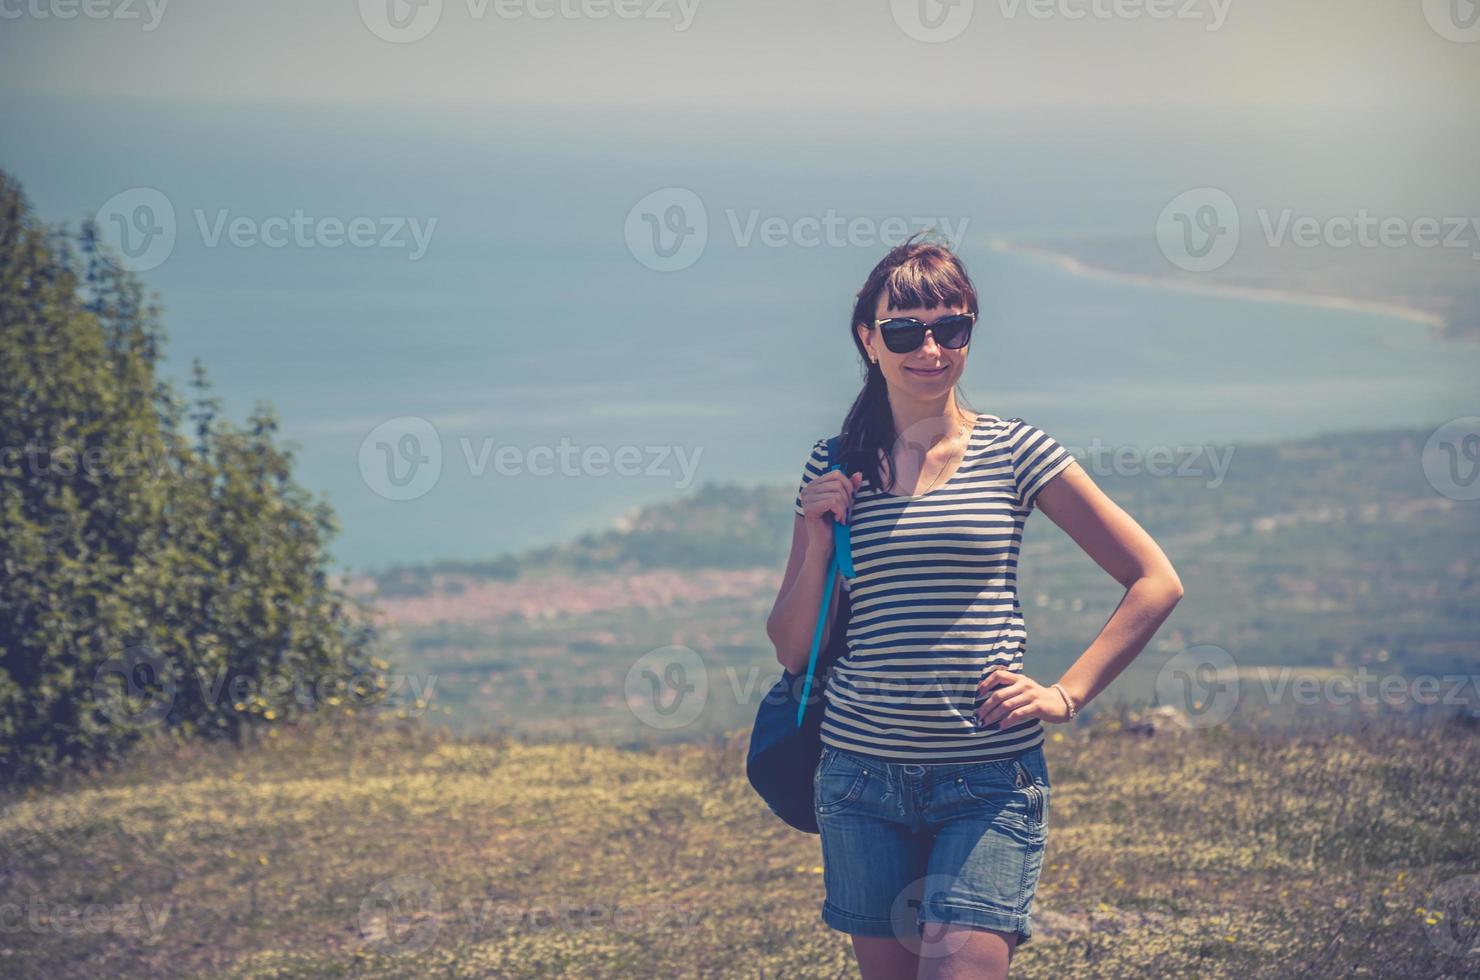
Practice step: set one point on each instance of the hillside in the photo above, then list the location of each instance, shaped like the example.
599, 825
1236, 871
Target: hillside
1325, 556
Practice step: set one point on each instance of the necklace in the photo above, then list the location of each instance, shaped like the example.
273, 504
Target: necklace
959, 432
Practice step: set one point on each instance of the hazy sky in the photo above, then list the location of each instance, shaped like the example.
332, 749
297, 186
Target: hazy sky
1355, 54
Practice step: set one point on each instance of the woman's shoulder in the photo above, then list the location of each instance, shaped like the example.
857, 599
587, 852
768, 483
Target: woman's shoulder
816, 458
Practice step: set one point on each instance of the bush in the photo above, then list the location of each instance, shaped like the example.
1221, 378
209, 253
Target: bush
151, 574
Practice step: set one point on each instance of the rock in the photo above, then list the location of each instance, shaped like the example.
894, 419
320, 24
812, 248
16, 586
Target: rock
1051, 925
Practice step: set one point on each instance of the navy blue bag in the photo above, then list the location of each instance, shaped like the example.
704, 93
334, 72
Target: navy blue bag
786, 742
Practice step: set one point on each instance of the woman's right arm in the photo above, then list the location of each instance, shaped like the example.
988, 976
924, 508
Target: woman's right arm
793, 618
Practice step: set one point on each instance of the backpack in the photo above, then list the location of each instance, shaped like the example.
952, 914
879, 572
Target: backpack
786, 741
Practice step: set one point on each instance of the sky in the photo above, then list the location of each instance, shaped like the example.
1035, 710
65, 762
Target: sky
1368, 56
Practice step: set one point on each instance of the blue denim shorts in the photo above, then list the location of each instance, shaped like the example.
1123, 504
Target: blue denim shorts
905, 845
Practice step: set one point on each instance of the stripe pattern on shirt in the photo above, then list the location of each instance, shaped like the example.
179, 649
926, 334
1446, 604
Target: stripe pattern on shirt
935, 603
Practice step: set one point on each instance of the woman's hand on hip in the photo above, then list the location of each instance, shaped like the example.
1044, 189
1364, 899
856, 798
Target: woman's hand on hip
1011, 699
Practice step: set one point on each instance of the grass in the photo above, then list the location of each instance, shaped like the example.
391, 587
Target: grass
373, 850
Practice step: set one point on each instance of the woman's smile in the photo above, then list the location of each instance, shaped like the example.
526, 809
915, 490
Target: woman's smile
926, 372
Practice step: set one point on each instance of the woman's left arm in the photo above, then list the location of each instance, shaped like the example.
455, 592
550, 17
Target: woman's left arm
1123, 549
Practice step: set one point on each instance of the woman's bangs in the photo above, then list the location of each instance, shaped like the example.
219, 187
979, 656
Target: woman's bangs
928, 282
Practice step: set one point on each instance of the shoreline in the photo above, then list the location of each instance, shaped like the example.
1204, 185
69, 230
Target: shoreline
1076, 267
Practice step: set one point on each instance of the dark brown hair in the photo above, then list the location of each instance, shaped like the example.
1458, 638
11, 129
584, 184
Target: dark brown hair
913, 274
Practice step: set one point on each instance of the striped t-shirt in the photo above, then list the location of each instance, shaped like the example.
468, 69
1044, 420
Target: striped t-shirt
935, 602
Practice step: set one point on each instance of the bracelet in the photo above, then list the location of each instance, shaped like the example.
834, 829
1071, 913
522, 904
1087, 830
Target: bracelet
1068, 701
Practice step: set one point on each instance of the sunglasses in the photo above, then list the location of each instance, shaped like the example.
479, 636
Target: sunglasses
903, 334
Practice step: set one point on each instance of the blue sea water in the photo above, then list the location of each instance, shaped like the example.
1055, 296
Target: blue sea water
530, 320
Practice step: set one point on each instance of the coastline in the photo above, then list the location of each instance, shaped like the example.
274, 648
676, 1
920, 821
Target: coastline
1075, 267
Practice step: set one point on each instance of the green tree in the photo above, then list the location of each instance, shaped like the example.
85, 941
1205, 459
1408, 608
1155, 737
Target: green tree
152, 572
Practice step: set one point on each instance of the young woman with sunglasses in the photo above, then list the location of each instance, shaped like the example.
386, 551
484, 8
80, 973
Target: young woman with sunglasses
932, 791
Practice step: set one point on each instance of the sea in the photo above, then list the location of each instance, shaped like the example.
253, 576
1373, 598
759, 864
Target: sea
486, 328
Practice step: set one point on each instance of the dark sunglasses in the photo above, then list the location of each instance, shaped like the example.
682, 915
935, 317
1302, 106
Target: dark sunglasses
903, 334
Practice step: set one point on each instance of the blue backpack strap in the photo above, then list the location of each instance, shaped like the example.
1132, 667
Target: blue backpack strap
842, 534
842, 563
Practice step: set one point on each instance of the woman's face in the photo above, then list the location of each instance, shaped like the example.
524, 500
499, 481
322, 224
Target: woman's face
927, 371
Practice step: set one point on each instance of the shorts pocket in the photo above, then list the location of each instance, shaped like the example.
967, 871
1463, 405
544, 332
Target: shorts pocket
1037, 792
839, 782
1009, 786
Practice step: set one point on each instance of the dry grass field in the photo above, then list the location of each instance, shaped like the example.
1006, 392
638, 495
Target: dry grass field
399, 851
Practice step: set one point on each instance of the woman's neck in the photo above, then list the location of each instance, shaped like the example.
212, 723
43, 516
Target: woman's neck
929, 422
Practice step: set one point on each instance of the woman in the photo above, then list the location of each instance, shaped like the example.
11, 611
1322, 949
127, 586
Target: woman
932, 791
